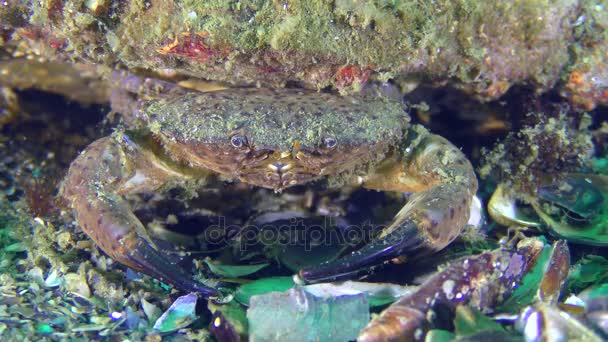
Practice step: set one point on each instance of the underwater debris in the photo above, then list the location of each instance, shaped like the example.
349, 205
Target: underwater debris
544, 280
151, 311
305, 317
179, 315
591, 270
53, 279
378, 294
482, 281
543, 322
595, 301
504, 210
471, 322
76, 283
229, 322
265, 43
574, 208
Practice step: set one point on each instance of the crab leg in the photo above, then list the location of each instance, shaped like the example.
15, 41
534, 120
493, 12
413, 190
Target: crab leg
109, 168
444, 184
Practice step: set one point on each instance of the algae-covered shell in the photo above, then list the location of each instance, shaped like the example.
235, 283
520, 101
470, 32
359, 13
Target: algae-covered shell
275, 119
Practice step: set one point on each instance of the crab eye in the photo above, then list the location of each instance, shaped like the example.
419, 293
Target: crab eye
330, 142
238, 141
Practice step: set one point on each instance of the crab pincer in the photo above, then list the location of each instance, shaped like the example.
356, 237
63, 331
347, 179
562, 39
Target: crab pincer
444, 184
274, 139
109, 168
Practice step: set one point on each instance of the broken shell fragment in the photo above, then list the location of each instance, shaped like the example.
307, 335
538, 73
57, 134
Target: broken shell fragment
503, 209
303, 316
179, 315
595, 300
543, 322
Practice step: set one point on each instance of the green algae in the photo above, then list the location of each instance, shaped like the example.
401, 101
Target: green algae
10, 245
233, 271
469, 321
591, 270
264, 285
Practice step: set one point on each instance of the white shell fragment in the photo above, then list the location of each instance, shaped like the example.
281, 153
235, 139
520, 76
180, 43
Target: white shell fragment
542, 322
152, 311
179, 315
52, 280
476, 216
351, 288
77, 283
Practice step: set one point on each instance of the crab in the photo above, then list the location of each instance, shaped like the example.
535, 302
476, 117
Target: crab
280, 138
271, 138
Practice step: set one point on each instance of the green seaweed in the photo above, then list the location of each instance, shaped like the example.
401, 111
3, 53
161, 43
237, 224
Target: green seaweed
469, 321
590, 270
273, 284
233, 271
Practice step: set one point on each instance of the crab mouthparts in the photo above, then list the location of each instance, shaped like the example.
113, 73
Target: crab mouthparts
279, 167
282, 178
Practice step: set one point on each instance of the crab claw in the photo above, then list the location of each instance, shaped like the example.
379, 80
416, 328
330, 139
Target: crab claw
405, 241
444, 184
96, 181
145, 258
